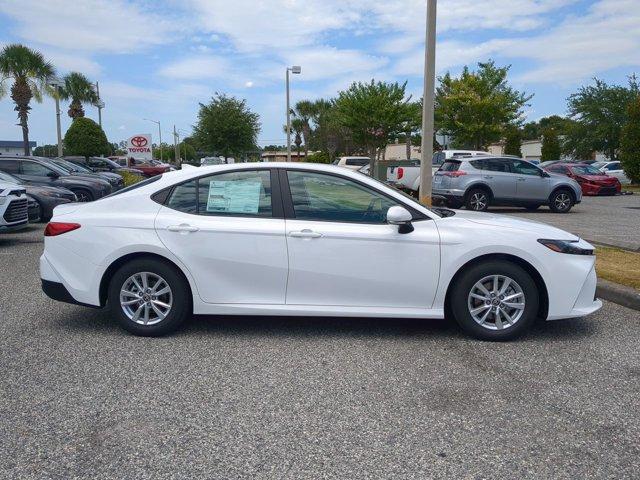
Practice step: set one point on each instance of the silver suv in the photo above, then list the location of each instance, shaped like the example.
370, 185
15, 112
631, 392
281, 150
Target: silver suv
480, 182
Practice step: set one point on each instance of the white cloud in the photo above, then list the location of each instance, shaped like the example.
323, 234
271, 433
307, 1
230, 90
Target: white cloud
199, 67
113, 26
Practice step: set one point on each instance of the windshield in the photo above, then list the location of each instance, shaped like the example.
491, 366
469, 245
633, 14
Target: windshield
61, 164
585, 170
74, 167
599, 164
7, 177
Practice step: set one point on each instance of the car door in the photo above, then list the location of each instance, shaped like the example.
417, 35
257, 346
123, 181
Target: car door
37, 173
343, 253
497, 174
228, 230
530, 184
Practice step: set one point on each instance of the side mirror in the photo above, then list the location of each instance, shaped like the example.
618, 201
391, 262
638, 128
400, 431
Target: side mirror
400, 216
544, 174
53, 175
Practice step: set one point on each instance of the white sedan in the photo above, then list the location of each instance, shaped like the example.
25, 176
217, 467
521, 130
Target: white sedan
308, 239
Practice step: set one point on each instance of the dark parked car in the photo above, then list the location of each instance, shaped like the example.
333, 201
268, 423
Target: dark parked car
45, 198
100, 164
40, 171
114, 179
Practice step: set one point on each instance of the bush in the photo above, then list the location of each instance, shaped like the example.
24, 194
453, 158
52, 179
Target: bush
86, 138
130, 178
630, 143
318, 157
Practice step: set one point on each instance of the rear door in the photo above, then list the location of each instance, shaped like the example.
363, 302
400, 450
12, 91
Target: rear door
497, 174
229, 231
343, 253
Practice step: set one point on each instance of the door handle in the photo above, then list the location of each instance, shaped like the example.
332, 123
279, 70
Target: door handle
306, 233
520, 179
488, 176
182, 228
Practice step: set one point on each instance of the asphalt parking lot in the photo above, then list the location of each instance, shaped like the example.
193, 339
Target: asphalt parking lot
608, 220
307, 398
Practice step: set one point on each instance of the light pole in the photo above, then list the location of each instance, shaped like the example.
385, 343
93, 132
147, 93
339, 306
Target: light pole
296, 69
427, 104
157, 122
176, 141
99, 104
56, 84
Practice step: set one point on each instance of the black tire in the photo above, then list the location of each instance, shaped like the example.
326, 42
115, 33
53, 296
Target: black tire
561, 200
477, 199
181, 301
464, 283
532, 208
83, 195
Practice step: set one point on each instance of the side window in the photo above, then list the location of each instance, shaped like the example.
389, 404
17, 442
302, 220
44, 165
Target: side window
614, 166
10, 166
496, 165
357, 161
478, 164
318, 196
246, 193
525, 168
236, 193
35, 169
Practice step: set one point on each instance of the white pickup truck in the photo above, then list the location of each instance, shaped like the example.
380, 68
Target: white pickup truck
408, 177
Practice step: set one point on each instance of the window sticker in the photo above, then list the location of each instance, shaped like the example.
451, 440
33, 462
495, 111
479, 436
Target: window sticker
234, 196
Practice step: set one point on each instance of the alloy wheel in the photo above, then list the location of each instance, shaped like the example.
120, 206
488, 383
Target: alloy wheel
146, 298
496, 302
478, 201
562, 201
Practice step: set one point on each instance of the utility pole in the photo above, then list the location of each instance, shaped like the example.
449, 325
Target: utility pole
296, 70
100, 105
157, 122
56, 83
175, 146
428, 104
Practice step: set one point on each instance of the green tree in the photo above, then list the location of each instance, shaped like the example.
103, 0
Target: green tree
475, 108
79, 90
551, 148
513, 141
29, 72
226, 126
630, 142
601, 111
304, 111
86, 138
46, 151
372, 112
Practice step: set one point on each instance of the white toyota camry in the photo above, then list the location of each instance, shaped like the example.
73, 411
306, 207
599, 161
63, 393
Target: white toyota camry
305, 239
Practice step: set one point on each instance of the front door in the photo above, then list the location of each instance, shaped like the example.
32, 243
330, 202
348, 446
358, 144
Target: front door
225, 229
343, 253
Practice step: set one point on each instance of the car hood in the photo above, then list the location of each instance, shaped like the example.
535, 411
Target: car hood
46, 190
542, 230
72, 180
598, 178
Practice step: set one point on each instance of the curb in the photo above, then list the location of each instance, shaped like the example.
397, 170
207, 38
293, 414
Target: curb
620, 294
598, 243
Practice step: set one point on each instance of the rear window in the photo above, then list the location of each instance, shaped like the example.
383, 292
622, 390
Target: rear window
450, 166
136, 185
357, 161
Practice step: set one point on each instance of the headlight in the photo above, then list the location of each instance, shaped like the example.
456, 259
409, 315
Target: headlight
565, 246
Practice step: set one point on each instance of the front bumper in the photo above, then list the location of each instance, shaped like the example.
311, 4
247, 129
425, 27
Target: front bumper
586, 302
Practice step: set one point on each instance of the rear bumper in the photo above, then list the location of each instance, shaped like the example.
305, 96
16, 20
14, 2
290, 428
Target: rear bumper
14, 226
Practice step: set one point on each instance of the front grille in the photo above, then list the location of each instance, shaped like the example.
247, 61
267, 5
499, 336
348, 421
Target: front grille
17, 211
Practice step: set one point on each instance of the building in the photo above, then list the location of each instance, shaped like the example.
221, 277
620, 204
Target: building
281, 156
14, 147
398, 151
531, 149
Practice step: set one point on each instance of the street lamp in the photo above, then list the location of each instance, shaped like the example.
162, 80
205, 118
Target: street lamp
99, 104
427, 104
157, 122
296, 69
57, 84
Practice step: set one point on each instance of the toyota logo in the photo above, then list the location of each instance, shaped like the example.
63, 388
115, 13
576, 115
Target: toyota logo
139, 141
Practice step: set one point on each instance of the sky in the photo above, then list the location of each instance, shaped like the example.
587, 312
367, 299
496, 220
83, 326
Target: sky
160, 59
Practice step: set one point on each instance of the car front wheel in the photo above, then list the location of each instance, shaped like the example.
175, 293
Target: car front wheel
495, 300
149, 297
561, 201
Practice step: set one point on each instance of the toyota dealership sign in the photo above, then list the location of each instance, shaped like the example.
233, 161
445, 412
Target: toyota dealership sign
139, 146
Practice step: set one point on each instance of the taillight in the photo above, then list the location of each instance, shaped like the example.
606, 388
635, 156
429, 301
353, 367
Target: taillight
58, 228
400, 173
455, 174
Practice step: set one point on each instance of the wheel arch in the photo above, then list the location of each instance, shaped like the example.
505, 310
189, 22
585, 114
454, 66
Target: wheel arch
563, 186
543, 307
117, 263
480, 186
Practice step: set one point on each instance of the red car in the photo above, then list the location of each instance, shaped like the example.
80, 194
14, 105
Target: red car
149, 168
591, 180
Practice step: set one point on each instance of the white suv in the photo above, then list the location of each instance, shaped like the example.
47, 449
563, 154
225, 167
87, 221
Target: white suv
14, 210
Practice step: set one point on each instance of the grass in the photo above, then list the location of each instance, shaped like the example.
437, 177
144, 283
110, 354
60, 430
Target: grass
619, 266
634, 188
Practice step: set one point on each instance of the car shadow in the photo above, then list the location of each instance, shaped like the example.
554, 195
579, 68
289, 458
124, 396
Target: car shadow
80, 320
30, 234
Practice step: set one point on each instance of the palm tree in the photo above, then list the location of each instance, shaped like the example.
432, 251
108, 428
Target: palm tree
29, 71
305, 110
80, 90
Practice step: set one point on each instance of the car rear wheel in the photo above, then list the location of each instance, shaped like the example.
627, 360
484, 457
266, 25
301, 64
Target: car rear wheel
149, 297
561, 201
495, 300
83, 195
477, 199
